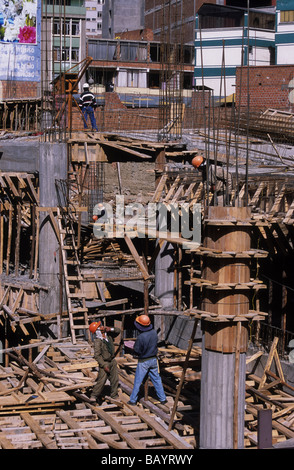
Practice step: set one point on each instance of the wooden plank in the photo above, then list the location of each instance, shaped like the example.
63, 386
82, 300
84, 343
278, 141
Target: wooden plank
40, 434
125, 436
123, 149
4, 442
169, 436
87, 434
268, 362
136, 257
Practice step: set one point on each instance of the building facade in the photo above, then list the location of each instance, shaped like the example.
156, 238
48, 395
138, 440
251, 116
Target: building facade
63, 38
226, 38
94, 18
121, 15
134, 69
285, 32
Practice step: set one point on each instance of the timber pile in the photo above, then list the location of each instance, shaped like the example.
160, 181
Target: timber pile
270, 391
44, 404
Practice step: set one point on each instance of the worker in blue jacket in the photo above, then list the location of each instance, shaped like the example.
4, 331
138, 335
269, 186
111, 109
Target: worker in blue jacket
145, 348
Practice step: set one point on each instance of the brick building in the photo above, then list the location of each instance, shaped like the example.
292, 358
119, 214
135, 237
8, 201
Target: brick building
269, 87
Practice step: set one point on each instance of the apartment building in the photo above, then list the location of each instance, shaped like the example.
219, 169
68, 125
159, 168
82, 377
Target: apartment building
63, 37
226, 38
94, 18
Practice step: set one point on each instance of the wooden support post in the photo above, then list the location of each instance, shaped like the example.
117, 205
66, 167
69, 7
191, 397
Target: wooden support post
33, 237
9, 240
273, 355
36, 242
17, 241
185, 365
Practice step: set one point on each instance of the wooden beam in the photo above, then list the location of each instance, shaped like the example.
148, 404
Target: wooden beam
40, 434
125, 436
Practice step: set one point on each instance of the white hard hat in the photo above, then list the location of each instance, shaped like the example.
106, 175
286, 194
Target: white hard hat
86, 85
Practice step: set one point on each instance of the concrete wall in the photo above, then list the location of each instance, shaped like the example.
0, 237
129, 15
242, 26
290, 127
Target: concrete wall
19, 155
122, 15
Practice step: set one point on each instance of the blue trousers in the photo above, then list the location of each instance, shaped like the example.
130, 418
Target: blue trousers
149, 367
89, 111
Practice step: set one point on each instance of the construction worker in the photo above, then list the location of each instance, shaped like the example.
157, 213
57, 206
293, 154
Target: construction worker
145, 348
220, 181
104, 355
88, 104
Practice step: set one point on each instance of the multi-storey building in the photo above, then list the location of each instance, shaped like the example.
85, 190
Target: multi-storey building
63, 37
229, 37
94, 18
285, 32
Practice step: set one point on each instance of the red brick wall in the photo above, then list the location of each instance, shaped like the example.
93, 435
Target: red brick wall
267, 87
13, 89
137, 35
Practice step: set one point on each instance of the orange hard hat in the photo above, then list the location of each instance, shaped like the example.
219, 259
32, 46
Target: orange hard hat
94, 326
196, 161
143, 320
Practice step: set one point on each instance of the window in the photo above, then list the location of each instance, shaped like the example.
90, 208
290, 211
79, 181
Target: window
66, 54
62, 55
133, 51
57, 2
69, 27
75, 54
75, 28
287, 16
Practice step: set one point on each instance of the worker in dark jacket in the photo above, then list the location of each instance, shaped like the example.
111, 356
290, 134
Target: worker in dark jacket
145, 348
88, 104
219, 179
104, 355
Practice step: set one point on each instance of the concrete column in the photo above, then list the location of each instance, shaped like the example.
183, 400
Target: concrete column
224, 342
217, 399
52, 167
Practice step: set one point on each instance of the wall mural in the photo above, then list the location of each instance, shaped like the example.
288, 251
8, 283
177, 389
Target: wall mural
18, 21
20, 34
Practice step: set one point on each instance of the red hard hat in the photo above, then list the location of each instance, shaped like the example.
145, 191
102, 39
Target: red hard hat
93, 326
196, 161
143, 320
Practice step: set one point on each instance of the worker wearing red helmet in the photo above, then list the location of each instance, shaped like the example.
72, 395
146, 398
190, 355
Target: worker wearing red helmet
105, 356
145, 348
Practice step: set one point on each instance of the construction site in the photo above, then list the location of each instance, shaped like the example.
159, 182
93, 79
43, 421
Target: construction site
210, 266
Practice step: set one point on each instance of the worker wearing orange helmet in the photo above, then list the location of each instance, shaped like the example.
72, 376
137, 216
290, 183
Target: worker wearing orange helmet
219, 179
105, 356
145, 348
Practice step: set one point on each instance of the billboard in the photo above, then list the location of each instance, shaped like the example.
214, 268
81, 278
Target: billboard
20, 34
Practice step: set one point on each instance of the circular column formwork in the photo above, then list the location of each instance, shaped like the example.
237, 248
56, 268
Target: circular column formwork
226, 295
